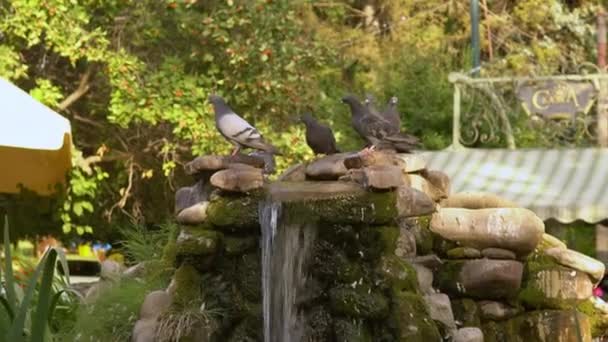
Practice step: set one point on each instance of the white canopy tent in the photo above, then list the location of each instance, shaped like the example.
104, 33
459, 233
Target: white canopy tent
35, 143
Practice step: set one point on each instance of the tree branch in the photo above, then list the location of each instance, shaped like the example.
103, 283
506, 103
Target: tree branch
82, 89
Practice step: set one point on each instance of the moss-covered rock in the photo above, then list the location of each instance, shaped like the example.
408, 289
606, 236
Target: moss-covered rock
331, 264
187, 285
463, 253
234, 212
466, 312
441, 246
423, 235
198, 242
557, 287
319, 324
249, 276
358, 302
387, 238
540, 326
363, 207
397, 274
351, 330
248, 330
597, 318
237, 245
551, 326
480, 278
410, 319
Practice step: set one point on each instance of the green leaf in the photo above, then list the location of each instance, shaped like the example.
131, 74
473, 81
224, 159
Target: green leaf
8, 269
16, 330
41, 317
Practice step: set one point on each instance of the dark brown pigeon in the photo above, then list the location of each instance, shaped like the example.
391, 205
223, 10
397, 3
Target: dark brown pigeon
376, 130
319, 137
236, 130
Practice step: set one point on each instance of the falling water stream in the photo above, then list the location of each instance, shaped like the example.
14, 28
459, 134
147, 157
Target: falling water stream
285, 247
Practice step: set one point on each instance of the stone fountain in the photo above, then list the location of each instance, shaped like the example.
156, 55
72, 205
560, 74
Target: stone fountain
364, 247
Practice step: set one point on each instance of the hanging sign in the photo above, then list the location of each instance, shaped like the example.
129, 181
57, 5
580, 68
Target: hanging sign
556, 99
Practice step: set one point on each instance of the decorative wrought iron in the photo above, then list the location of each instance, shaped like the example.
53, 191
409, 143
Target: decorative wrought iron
488, 112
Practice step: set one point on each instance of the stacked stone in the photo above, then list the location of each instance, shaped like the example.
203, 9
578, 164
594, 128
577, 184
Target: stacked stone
507, 277
216, 256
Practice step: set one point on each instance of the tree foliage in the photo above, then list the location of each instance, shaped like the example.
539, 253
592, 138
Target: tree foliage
133, 76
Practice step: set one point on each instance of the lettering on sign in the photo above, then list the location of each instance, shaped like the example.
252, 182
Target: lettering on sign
557, 99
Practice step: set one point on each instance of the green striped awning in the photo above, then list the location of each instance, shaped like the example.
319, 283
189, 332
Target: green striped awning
564, 184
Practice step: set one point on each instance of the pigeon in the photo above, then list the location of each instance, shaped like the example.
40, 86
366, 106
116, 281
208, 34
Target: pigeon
319, 137
236, 130
391, 113
376, 130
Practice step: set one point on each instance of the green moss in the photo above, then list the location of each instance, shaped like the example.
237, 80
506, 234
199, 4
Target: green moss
410, 319
198, 242
169, 256
397, 274
248, 330
319, 324
424, 237
538, 287
388, 237
358, 302
447, 278
366, 207
579, 236
441, 246
497, 332
249, 276
463, 253
351, 330
597, 319
549, 325
187, 285
239, 245
235, 212
331, 264
466, 311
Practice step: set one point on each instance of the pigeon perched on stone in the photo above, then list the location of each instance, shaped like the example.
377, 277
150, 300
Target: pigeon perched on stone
319, 137
391, 113
376, 130
236, 130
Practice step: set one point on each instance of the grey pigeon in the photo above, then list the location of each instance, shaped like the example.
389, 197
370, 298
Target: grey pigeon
376, 130
391, 113
269, 162
236, 130
319, 137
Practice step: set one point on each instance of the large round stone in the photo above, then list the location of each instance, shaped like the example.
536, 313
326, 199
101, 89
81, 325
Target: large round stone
515, 229
480, 278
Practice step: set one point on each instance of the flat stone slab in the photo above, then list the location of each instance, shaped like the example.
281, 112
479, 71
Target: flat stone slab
383, 177
294, 173
498, 253
515, 229
215, 163
476, 200
480, 278
464, 253
578, 261
328, 167
242, 178
550, 241
373, 158
420, 183
190, 195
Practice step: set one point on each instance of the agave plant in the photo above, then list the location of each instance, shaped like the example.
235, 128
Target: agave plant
29, 320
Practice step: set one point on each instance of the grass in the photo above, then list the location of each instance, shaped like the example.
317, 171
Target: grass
143, 244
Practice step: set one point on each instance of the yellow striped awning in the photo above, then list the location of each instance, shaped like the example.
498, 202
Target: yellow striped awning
563, 184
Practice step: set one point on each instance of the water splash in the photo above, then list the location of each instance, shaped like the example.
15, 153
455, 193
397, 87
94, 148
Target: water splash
285, 247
